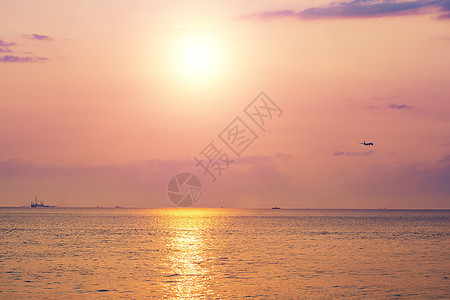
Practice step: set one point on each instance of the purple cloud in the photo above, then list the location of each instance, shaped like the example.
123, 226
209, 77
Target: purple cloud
445, 159
341, 153
400, 106
27, 168
370, 107
446, 9
138, 184
358, 9
20, 59
283, 156
258, 159
415, 182
40, 37
4, 46
15, 166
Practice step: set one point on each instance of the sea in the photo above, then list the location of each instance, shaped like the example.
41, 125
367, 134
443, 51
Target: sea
223, 253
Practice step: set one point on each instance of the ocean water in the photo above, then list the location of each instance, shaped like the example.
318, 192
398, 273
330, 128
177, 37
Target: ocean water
62, 253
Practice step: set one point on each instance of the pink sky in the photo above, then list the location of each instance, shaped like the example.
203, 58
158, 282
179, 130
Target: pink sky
98, 105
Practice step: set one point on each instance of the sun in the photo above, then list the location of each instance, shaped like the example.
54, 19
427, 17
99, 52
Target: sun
199, 57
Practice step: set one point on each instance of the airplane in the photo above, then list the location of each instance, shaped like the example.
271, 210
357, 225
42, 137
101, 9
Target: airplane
366, 144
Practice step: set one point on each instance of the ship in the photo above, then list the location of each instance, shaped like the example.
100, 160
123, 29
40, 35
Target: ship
37, 203
276, 207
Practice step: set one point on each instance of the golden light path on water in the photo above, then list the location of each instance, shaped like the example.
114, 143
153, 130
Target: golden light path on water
188, 253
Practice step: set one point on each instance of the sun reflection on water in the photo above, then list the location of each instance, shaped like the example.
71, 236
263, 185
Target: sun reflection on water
188, 253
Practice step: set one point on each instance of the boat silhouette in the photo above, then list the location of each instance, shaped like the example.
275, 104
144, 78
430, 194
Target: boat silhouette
37, 203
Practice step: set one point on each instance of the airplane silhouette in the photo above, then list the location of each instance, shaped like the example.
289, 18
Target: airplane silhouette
366, 144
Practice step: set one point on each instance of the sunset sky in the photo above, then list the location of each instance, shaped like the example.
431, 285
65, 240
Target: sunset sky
103, 101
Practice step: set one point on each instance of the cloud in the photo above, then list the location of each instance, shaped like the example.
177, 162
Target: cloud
370, 107
283, 156
443, 37
392, 105
400, 106
341, 153
358, 9
4, 46
259, 185
416, 184
445, 159
257, 159
263, 184
18, 167
40, 37
14, 166
136, 184
20, 59
140, 184
272, 14
444, 16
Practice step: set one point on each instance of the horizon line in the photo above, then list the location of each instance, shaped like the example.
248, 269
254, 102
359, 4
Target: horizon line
204, 207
